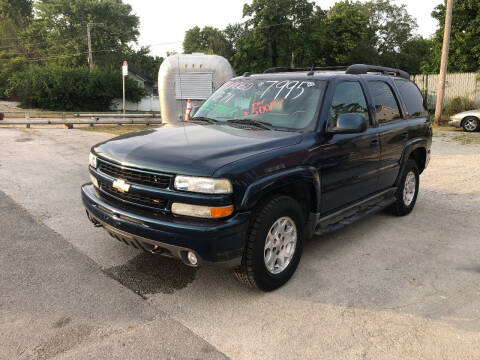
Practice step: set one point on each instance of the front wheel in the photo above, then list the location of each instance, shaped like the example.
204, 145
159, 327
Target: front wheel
274, 244
471, 124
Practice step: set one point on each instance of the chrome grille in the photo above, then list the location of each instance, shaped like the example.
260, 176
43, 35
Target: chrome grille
134, 198
135, 177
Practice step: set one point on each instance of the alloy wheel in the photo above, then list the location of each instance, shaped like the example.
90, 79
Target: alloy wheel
409, 188
280, 245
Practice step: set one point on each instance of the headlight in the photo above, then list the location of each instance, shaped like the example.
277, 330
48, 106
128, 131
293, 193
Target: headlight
92, 159
201, 211
203, 185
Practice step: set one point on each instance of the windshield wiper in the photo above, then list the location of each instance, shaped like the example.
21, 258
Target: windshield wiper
204, 119
260, 124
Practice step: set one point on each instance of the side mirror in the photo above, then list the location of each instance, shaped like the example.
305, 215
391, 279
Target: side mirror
194, 110
349, 124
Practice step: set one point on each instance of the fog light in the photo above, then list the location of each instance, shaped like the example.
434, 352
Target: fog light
192, 258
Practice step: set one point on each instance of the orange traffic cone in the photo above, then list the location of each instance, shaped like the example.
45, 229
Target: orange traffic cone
189, 109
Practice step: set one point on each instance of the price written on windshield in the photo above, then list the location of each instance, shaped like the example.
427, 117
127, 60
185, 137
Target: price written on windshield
286, 88
261, 108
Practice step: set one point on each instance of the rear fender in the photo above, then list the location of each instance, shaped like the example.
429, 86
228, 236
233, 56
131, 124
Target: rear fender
408, 149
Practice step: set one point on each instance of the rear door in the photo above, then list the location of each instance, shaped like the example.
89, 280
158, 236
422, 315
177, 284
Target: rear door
349, 162
392, 128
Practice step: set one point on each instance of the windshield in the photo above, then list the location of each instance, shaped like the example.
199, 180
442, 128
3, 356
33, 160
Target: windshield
289, 104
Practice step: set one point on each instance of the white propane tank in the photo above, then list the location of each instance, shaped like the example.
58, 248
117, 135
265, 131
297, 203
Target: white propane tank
189, 76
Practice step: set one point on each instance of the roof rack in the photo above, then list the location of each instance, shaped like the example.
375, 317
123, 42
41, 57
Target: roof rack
355, 69
289, 69
364, 69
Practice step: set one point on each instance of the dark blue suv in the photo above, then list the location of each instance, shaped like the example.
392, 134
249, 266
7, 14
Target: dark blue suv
268, 161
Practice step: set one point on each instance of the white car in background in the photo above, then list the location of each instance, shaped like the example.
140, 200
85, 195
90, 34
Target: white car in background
468, 120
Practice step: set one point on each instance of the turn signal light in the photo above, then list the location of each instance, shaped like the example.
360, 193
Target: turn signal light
218, 212
201, 211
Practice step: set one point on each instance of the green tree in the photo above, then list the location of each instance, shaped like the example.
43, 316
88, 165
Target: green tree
346, 29
276, 33
464, 52
390, 26
415, 56
208, 40
373, 32
280, 29
15, 15
59, 30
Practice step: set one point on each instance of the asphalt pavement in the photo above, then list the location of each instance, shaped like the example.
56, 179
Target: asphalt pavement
384, 288
55, 302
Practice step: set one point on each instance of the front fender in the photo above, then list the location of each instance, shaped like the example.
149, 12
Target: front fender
271, 182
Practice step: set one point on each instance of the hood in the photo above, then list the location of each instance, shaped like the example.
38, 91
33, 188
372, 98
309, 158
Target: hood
191, 149
467, 113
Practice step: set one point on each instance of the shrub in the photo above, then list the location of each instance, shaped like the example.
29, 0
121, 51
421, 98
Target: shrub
459, 104
56, 87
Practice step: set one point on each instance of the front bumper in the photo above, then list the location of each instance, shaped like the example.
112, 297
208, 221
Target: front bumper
219, 242
455, 122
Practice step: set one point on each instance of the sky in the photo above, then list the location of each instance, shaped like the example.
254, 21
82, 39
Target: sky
163, 22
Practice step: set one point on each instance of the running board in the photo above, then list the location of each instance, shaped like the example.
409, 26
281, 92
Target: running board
355, 212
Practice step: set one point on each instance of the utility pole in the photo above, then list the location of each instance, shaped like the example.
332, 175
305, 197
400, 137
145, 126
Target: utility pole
90, 56
444, 62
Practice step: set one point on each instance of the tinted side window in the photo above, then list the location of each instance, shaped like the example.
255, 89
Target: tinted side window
348, 99
386, 106
412, 97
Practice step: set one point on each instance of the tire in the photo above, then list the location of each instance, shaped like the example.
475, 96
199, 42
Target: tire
278, 212
471, 124
406, 195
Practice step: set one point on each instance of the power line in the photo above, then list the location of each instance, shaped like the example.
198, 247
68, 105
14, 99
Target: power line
85, 53
43, 35
154, 44
40, 43
64, 56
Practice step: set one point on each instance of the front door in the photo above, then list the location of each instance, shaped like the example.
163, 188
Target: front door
348, 163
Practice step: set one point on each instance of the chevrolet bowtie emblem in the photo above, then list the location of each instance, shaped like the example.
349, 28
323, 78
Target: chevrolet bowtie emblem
121, 185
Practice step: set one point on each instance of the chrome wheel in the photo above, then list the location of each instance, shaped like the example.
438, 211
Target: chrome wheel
280, 245
409, 188
470, 124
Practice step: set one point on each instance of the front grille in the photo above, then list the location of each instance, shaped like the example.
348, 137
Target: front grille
134, 198
136, 177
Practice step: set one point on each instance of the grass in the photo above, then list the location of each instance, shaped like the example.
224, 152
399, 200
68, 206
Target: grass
456, 134
116, 129
467, 138
444, 130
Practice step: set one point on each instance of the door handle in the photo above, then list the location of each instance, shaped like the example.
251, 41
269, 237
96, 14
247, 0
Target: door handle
405, 135
374, 143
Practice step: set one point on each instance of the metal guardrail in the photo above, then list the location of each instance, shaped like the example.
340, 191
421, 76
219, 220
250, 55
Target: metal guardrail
79, 119
119, 115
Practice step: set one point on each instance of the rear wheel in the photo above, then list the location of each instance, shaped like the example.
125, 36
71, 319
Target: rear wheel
407, 192
471, 124
274, 244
